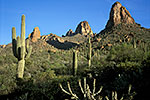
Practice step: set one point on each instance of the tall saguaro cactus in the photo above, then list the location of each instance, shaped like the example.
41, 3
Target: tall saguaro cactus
89, 52
20, 51
75, 63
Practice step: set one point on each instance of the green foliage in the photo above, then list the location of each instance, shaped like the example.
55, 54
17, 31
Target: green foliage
44, 76
124, 53
7, 79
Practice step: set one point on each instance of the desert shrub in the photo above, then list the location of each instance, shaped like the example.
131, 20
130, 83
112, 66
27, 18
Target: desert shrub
7, 79
126, 55
43, 90
43, 76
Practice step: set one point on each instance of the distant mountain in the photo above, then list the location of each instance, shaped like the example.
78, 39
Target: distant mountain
70, 40
121, 27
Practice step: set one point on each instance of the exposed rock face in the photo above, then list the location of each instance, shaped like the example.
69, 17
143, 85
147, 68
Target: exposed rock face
119, 14
70, 33
2, 46
52, 37
84, 28
35, 35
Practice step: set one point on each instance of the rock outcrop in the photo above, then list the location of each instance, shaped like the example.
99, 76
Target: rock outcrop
52, 37
70, 33
2, 46
35, 35
84, 29
119, 14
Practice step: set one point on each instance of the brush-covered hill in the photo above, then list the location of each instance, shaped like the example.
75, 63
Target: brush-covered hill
120, 56
121, 27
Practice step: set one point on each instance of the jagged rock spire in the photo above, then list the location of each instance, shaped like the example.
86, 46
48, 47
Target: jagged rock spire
35, 35
70, 33
119, 14
84, 28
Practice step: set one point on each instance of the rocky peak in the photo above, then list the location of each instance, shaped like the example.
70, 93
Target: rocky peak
84, 28
119, 14
35, 35
70, 33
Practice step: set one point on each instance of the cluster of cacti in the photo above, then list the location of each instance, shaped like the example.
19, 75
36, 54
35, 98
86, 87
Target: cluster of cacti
91, 95
89, 52
87, 93
75, 63
115, 96
20, 51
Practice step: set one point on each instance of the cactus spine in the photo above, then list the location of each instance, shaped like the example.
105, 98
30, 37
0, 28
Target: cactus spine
20, 51
89, 52
75, 63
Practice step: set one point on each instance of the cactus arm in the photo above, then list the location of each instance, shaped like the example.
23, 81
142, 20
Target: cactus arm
29, 50
14, 42
18, 50
27, 45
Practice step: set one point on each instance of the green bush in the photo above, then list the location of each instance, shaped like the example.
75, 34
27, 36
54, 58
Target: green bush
126, 55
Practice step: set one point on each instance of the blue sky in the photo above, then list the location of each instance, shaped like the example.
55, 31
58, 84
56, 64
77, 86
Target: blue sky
58, 16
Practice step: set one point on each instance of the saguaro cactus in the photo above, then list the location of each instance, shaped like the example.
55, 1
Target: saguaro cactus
89, 52
20, 51
75, 63
134, 42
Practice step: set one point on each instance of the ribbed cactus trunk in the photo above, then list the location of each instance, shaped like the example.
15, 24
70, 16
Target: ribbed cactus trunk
89, 52
75, 63
21, 62
19, 50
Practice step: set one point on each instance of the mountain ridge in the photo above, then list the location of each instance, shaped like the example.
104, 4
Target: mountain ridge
119, 16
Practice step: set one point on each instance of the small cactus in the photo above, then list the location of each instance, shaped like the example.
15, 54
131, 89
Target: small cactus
20, 51
134, 42
75, 63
